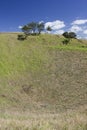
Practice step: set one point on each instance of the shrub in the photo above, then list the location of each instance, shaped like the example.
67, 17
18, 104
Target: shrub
69, 35
22, 37
66, 41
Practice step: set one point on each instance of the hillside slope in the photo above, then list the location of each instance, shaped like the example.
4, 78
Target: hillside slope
41, 73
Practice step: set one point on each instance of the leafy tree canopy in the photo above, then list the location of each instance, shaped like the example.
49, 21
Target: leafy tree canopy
49, 28
69, 35
33, 28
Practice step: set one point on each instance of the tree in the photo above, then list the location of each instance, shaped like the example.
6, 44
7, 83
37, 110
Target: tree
25, 29
69, 35
32, 26
29, 28
72, 35
40, 27
66, 34
49, 28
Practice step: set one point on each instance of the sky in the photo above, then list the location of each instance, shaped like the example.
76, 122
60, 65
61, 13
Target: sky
60, 15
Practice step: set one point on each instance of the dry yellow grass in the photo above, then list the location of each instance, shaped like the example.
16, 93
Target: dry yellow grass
68, 120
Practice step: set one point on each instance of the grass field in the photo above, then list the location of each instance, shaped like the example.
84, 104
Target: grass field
70, 120
43, 83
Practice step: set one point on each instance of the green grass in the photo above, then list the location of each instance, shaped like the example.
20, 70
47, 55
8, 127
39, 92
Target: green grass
69, 47
73, 45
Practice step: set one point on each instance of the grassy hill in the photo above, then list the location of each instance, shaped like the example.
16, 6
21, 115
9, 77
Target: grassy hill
41, 73
43, 83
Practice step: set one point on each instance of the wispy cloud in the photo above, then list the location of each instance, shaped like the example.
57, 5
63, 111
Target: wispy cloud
20, 27
79, 26
55, 25
79, 22
85, 31
59, 32
75, 28
41, 22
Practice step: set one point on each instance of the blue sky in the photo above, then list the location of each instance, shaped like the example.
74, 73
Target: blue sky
61, 15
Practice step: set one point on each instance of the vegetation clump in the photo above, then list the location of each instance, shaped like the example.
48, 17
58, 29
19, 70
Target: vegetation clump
22, 37
66, 41
33, 28
68, 36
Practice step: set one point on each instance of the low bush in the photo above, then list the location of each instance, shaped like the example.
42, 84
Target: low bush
22, 37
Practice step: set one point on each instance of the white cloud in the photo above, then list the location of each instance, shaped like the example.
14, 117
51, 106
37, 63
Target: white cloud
85, 37
79, 22
55, 25
85, 31
75, 28
79, 37
59, 32
41, 22
19, 27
